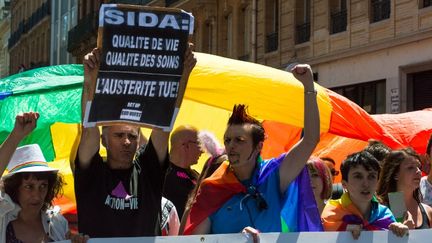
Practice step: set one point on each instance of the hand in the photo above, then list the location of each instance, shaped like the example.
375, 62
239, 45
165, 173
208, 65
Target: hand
303, 72
189, 60
91, 61
251, 231
399, 229
77, 238
25, 123
408, 220
91, 67
355, 230
188, 64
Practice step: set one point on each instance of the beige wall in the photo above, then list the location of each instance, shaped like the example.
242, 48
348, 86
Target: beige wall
391, 64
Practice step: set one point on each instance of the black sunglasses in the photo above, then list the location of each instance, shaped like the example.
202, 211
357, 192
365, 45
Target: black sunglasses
255, 194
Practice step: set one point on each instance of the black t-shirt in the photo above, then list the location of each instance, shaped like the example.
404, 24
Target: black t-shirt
179, 182
107, 203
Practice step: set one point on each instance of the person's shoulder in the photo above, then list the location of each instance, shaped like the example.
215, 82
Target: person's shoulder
6, 203
58, 225
424, 182
54, 212
427, 208
55, 217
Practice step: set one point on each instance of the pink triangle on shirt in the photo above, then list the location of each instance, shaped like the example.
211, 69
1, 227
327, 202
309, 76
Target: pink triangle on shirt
120, 191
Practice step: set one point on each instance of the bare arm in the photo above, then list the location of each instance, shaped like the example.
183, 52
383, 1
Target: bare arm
24, 125
160, 138
90, 137
297, 157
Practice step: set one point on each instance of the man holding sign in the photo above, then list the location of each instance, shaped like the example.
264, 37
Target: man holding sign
120, 197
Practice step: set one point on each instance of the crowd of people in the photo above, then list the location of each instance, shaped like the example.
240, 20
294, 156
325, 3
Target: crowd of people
142, 189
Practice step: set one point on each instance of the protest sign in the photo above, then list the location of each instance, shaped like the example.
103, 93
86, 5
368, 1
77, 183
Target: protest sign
140, 66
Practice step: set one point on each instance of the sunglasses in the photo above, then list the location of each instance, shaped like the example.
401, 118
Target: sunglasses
334, 172
255, 194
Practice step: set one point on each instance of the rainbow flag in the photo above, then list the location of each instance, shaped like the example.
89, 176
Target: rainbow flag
299, 211
339, 213
214, 86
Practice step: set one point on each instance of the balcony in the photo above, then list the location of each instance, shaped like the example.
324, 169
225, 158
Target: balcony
380, 10
16, 35
302, 33
84, 30
338, 21
272, 42
27, 25
6, 5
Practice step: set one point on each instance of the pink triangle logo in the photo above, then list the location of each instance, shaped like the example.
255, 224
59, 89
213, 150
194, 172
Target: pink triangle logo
120, 191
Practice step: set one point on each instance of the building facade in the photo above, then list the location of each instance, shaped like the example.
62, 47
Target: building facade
63, 18
377, 53
29, 44
4, 37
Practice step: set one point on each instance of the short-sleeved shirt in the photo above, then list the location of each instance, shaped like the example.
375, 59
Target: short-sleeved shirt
244, 210
120, 202
179, 182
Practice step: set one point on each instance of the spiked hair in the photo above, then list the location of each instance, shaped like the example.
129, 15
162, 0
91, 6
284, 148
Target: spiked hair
240, 116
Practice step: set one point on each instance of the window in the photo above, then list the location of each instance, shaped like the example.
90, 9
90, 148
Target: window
229, 35
380, 10
370, 96
302, 21
244, 24
207, 40
338, 16
426, 3
419, 90
272, 25
63, 37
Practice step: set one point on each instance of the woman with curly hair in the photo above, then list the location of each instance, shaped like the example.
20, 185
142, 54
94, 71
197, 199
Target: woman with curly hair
401, 172
27, 191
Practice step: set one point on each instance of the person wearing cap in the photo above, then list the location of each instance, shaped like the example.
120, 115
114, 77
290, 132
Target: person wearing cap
27, 191
122, 194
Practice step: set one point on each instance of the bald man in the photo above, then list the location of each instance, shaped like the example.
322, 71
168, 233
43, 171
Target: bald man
180, 179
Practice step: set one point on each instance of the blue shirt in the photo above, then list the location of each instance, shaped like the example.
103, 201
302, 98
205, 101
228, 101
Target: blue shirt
243, 209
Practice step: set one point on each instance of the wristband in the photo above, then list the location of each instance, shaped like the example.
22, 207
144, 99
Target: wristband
314, 91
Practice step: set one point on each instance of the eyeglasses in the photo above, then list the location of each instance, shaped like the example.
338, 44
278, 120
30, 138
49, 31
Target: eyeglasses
190, 141
334, 172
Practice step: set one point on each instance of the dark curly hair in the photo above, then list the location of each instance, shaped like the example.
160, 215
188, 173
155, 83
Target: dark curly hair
55, 185
240, 116
391, 166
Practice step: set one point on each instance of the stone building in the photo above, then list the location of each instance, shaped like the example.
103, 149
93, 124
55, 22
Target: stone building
4, 37
29, 44
377, 53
